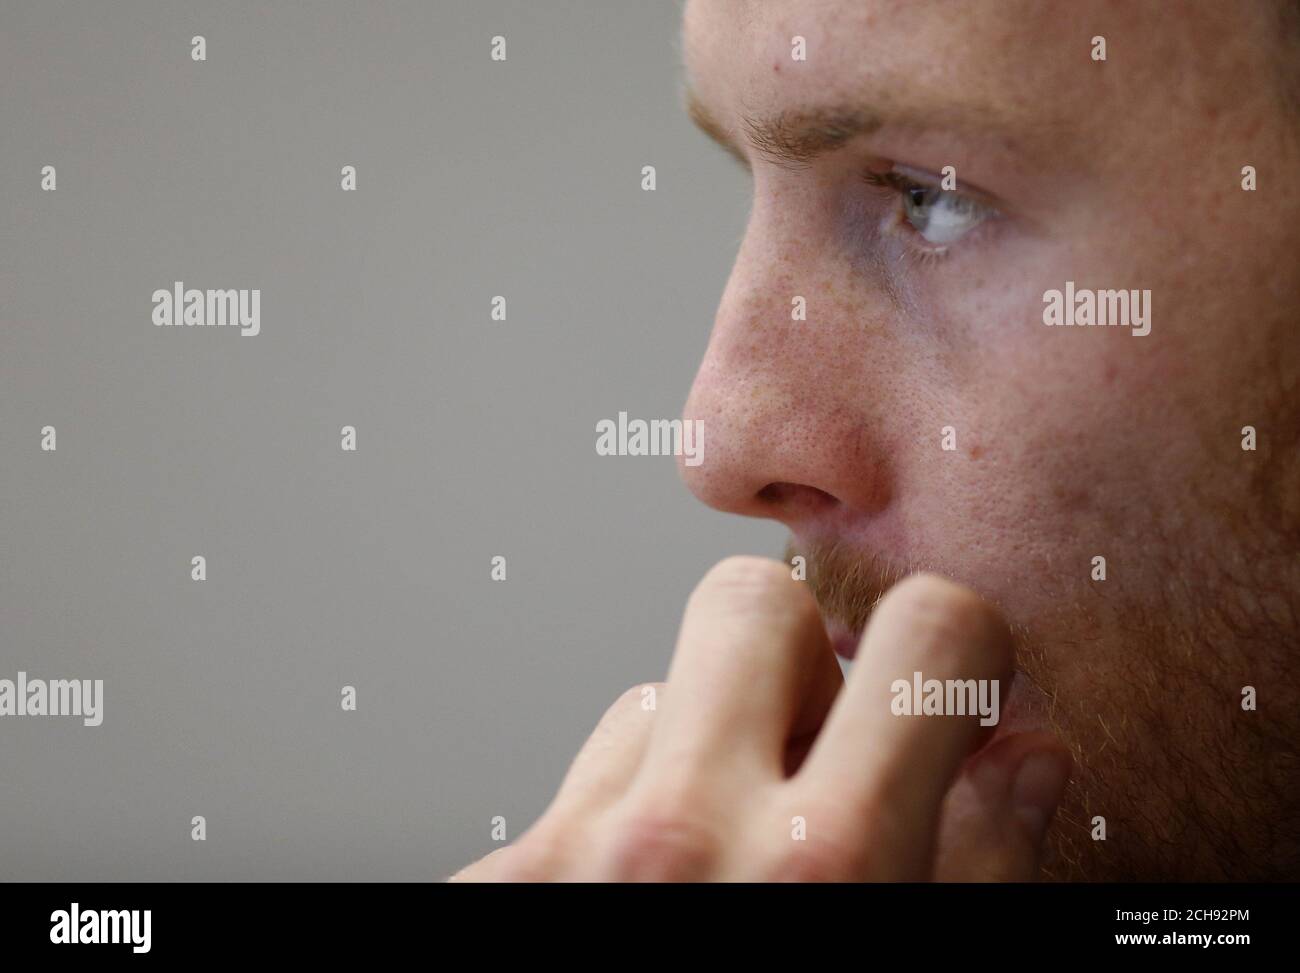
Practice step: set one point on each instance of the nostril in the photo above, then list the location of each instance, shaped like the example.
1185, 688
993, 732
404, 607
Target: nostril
796, 498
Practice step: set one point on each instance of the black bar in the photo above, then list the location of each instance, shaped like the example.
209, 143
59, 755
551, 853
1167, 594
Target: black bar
331, 922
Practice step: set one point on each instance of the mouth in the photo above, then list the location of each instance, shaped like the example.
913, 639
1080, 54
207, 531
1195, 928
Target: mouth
847, 582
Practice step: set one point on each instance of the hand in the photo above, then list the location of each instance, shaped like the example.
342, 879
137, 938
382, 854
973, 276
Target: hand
756, 731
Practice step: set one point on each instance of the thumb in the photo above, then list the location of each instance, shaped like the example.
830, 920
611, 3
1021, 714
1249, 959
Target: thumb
996, 815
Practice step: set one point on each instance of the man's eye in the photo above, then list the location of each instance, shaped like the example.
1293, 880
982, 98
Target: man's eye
940, 216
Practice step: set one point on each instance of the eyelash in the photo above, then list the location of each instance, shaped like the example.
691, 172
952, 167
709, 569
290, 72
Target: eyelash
895, 185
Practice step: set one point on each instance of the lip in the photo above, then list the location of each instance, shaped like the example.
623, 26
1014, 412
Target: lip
843, 641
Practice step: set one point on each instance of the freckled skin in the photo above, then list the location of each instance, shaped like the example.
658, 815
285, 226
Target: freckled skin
1071, 442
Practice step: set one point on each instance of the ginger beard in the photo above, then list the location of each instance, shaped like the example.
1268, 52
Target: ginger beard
1190, 785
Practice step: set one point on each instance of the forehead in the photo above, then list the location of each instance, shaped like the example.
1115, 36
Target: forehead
1027, 59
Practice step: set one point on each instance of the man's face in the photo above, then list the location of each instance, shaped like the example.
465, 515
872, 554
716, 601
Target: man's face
924, 416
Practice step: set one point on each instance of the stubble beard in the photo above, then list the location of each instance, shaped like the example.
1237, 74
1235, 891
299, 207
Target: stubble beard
1183, 782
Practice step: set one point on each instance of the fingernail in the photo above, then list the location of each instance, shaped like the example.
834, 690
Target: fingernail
1038, 787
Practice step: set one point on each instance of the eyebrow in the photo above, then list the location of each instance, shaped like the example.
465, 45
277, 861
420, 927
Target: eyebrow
788, 138
793, 138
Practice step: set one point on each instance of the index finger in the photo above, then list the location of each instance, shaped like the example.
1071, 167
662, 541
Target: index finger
891, 769
753, 666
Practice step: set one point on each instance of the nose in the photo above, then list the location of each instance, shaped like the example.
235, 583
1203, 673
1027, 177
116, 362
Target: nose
791, 409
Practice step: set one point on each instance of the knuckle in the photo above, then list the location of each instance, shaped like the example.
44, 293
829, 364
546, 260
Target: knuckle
659, 846
833, 848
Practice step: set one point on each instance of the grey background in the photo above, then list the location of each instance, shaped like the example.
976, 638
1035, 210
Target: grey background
476, 438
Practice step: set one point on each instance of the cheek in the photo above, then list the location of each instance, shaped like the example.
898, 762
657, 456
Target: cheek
1048, 469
